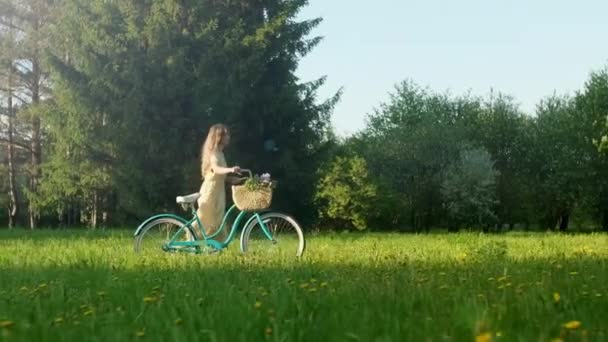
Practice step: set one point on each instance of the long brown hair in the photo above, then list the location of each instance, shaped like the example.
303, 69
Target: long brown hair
216, 138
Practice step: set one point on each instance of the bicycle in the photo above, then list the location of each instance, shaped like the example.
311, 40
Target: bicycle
264, 230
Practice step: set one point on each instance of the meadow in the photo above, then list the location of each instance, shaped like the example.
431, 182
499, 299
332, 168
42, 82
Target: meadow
89, 285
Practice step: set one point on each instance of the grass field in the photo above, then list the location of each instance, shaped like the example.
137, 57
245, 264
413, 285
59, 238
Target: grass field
89, 286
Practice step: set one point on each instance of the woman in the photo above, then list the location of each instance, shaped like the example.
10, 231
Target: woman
212, 202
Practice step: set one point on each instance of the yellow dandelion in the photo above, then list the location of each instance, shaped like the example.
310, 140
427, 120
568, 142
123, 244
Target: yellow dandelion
179, 321
258, 304
485, 337
6, 324
572, 325
268, 331
556, 297
150, 299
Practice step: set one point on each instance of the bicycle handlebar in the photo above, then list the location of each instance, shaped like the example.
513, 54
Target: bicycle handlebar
247, 171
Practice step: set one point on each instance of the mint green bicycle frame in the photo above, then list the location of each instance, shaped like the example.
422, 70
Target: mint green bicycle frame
207, 240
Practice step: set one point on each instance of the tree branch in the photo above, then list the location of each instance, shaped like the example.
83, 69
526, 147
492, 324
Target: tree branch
15, 144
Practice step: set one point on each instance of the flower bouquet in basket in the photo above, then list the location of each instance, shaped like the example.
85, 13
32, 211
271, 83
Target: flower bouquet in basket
255, 194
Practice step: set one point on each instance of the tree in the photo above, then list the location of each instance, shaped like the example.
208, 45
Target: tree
469, 189
408, 143
159, 73
346, 192
30, 20
592, 108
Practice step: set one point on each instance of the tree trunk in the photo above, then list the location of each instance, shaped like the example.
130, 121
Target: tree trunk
35, 143
12, 192
564, 220
94, 211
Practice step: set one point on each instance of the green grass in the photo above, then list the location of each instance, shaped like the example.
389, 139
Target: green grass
79, 285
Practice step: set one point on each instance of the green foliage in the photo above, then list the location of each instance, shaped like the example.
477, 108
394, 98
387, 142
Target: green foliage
469, 189
346, 192
592, 107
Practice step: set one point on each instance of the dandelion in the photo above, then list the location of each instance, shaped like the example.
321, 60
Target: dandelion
485, 337
572, 325
150, 299
556, 297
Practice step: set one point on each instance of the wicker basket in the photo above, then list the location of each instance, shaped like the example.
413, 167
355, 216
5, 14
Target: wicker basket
248, 200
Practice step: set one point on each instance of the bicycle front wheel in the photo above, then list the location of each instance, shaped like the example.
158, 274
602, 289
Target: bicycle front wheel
156, 235
282, 235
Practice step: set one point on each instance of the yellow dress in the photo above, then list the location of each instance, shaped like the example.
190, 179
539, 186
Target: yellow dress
212, 202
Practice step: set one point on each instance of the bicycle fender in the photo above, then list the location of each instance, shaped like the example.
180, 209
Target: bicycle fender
145, 223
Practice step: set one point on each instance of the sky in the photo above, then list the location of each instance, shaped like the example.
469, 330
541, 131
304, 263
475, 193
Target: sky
528, 49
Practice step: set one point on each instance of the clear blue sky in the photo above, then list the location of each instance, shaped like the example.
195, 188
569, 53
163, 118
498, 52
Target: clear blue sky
524, 48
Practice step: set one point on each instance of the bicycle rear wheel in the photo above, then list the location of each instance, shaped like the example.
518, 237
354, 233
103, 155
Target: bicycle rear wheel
155, 236
286, 236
